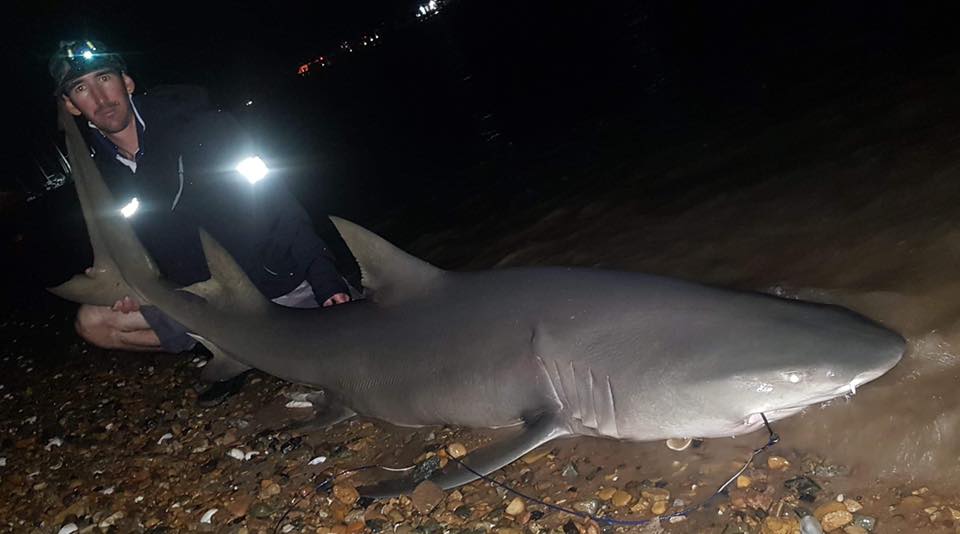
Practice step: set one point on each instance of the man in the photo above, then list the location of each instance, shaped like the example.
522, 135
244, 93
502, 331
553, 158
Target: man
173, 162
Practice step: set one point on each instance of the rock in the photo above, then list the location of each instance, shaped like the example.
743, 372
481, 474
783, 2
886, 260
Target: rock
779, 525
110, 520
268, 488
240, 506
854, 529
865, 522
588, 506
69, 528
810, 525
621, 498
345, 494
853, 506
426, 497
456, 450
534, 456
207, 516
656, 494
516, 507
777, 463
832, 506
260, 510
744, 481
569, 472
804, 486
836, 519
605, 494
659, 507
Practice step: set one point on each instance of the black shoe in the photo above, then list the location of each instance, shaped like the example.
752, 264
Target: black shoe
218, 392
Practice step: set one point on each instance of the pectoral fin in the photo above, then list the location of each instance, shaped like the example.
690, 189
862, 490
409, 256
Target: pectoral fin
221, 367
485, 460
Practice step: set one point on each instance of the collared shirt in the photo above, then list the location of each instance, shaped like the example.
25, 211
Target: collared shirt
106, 144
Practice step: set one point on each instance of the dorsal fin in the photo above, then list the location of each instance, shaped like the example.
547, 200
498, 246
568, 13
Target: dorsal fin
228, 287
389, 274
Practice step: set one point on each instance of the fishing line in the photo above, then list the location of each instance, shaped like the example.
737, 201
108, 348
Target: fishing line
772, 440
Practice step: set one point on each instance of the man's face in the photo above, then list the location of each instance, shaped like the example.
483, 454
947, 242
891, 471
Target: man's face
102, 98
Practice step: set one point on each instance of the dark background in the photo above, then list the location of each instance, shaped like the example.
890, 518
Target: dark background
445, 111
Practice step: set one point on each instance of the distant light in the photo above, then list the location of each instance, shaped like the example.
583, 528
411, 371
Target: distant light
130, 208
249, 102
87, 54
253, 169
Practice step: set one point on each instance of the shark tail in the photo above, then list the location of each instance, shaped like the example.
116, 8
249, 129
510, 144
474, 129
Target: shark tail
113, 244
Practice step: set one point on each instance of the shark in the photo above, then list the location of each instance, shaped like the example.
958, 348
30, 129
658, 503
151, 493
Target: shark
552, 351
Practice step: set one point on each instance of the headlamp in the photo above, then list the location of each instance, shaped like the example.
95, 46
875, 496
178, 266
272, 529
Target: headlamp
131, 208
74, 59
253, 169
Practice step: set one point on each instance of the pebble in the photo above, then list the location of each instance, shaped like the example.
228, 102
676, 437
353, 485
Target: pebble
777, 463
3, 461
261, 510
810, 525
659, 507
824, 509
679, 444
299, 404
744, 481
69, 528
268, 488
853, 506
569, 472
779, 525
605, 494
345, 494
111, 520
236, 454
588, 506
516, 507
164, 437
621, 498
656, 494
865, 522
426, 497
317, 461
834, 520
854, 529
208, 515
456, 450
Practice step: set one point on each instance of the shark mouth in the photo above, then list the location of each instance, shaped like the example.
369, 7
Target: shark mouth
754, 421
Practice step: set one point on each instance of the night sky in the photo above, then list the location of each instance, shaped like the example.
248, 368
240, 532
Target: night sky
447, 107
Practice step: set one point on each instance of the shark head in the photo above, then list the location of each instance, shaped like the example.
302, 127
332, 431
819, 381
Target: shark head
818, 367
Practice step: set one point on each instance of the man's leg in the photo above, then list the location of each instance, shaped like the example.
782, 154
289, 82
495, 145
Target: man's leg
109, 329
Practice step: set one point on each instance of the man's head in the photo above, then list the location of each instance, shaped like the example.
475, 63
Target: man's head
92, 82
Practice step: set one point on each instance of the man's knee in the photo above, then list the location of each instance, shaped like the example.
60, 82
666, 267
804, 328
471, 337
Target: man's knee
94, 327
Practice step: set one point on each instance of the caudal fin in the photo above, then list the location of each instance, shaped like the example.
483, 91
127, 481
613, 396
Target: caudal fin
114, 243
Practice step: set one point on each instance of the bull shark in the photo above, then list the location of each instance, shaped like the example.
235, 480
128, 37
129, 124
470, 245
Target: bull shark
553, 351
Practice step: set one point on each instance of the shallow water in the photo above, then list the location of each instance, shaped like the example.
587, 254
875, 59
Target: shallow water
854, 204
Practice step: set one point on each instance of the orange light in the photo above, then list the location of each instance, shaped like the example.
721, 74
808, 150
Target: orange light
305, 68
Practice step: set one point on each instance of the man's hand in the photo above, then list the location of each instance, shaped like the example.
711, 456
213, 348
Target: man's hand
338, 298
128, 305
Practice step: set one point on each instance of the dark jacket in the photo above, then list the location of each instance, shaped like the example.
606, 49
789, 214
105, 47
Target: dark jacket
262, 226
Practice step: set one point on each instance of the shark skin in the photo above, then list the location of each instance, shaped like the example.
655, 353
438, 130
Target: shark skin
553, 351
